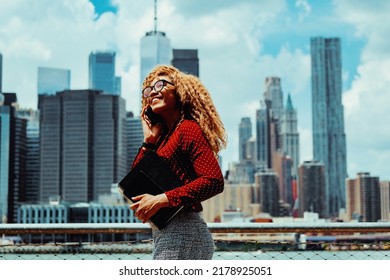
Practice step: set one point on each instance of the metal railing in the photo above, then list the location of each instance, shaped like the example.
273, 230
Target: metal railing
232, 241
90, 228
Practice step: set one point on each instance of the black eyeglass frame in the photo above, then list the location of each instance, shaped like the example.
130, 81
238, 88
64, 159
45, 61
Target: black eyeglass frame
147, 90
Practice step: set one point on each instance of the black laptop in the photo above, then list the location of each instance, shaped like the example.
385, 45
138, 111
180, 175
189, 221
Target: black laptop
152, 175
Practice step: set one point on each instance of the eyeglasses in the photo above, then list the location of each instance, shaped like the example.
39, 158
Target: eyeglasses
158, 86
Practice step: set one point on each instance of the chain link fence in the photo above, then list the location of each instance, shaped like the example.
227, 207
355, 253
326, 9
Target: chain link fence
330, 241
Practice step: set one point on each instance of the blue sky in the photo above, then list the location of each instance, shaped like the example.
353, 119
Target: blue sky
240, 43
103, 6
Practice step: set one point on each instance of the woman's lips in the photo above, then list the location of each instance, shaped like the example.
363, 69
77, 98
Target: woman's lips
154, 99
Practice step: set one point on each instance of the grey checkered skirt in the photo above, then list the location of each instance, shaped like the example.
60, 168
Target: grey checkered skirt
186, 237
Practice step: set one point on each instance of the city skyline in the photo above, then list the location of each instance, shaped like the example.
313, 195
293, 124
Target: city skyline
267, 38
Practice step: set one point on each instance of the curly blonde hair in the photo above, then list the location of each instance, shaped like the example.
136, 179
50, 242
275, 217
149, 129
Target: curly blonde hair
195, 102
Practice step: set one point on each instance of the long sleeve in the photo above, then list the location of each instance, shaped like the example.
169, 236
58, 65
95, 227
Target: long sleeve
191, 157
138, 157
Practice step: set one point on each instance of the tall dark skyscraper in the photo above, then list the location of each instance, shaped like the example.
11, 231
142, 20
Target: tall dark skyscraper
5, 129
263, 155
32, 154
12, 158
329, 143
312, 196
267, 180
186, 61
82, 144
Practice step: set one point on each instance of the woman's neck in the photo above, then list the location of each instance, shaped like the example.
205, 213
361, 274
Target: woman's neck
172, 119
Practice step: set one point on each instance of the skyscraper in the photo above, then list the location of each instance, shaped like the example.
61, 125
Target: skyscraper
263, 155
329, 144
52, 80
273, 97
385, 200
363, 197
82, 143
244, 171
134, 137
12, 158
311, 192
186, 61
268, 117
155, 49
282, 165
102, 73
268, 184
274, 94
5, 130
290, 135
118, 85
32, 154
244, 134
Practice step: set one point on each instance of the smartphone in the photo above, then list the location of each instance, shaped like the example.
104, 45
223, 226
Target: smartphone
152, 116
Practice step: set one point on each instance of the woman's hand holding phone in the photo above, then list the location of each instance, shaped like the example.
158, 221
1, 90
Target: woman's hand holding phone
151, 125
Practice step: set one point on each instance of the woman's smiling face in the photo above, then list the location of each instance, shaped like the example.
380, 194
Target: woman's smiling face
164, 100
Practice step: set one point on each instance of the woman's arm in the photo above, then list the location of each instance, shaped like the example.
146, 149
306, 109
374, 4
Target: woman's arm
208, 180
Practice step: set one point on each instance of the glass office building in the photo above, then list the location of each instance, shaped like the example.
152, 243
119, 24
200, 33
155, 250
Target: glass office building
186, 61
4, 158
82, 143
155, 50
329, 143
102, 73
12, 158
52, 80
32, 154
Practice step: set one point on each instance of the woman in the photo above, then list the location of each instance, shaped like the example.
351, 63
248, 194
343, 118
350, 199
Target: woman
189, 136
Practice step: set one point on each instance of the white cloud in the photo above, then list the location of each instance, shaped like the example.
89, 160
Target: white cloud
304, 9
366, 105
46, 33
293, 66
366, 102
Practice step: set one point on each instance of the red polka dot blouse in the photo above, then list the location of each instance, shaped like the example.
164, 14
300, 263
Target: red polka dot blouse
190, 156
